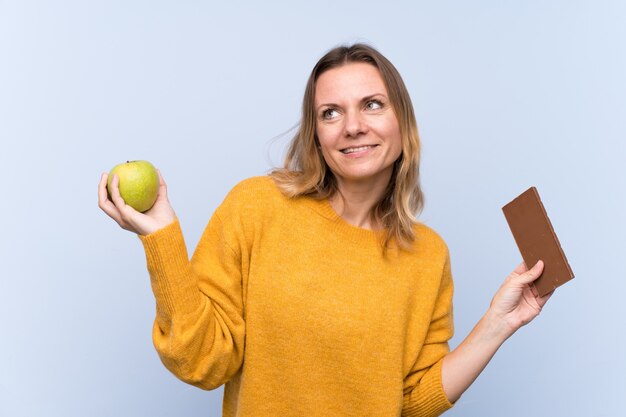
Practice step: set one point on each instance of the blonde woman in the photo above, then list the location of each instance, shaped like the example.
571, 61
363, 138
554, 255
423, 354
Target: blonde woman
314, 291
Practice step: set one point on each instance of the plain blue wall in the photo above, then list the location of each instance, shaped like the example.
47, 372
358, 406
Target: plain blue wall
508, 94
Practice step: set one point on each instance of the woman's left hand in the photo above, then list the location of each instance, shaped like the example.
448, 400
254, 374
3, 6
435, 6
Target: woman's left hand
517, 302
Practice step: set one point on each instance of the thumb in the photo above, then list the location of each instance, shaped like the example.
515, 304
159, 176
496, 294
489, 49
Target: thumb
532, 274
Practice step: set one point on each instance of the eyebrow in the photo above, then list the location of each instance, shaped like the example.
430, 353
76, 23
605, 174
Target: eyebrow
364, 99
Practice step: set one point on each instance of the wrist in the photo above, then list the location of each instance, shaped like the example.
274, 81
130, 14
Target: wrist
494, 327
152, 227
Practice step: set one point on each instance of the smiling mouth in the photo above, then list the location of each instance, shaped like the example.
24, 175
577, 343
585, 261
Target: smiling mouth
357, 149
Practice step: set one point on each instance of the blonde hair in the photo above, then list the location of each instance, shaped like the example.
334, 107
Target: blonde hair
305, 171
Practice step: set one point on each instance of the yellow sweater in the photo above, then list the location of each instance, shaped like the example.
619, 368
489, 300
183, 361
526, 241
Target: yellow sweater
298, 312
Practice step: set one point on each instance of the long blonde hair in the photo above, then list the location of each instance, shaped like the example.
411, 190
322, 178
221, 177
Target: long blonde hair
305, 171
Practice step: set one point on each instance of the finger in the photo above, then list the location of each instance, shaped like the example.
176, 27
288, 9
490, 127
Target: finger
108, 207
532, 274
114, 191
128, 215
543, 300
520, 269
102, 189
124, 209
103, 196
105, 203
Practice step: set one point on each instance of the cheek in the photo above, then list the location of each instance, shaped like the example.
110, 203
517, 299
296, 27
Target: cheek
323, 143
394, 137
325, 136
398, 144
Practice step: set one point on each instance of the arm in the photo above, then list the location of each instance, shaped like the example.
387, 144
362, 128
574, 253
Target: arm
423, 394
199, 328
514, 305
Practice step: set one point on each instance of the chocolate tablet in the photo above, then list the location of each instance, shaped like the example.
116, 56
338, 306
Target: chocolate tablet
536, 240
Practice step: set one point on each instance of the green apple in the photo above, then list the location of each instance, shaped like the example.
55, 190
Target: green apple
139, 183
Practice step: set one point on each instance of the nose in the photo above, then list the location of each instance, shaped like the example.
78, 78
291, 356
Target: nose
354, 124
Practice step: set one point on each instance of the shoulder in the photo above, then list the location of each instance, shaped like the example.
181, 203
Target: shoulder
260, 183
428, 240
433, 256
252, 196
257, 190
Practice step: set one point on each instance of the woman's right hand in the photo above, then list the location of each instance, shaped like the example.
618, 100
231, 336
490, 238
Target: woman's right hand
160, 215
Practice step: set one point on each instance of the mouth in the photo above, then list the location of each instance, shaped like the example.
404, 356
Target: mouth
356, 149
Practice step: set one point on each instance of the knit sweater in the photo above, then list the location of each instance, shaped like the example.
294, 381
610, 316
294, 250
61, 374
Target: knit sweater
299, 313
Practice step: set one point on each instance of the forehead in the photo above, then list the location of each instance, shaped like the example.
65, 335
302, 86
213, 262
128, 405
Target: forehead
349, 81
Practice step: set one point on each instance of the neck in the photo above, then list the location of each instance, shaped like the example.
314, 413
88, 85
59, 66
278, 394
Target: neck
354, 202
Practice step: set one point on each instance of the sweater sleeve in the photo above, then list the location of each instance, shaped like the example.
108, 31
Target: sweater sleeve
199, 328
427, 397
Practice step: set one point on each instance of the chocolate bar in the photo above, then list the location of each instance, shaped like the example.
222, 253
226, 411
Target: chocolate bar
536, 240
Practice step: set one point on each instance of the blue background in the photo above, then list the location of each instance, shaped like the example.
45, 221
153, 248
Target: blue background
508, 94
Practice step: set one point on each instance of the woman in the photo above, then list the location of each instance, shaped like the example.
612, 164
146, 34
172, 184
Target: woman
314, 291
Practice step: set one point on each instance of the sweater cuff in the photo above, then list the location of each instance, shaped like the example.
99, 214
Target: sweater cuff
173, 284
428, 398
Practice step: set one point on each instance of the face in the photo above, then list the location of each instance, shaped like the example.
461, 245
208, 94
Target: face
357, 128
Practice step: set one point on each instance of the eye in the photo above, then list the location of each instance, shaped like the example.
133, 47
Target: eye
374, 105
329, 113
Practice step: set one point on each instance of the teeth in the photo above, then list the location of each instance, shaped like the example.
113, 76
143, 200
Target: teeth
359, 149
